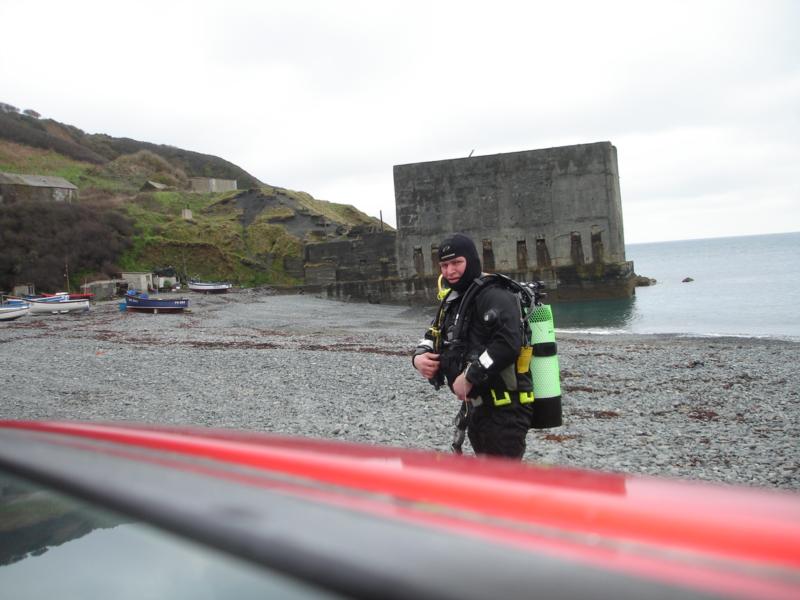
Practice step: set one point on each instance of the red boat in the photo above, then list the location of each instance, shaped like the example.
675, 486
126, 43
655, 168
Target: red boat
70, 295
316, 518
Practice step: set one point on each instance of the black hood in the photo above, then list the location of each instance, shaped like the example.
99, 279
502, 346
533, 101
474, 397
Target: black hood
460, 245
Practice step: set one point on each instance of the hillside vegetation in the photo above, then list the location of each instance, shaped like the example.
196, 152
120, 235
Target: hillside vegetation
252, 236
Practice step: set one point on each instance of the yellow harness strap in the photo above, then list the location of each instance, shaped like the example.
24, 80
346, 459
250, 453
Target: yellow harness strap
443, 291
505, 399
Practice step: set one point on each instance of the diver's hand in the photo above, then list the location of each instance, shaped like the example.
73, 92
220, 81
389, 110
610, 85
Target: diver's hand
462, 387
427, 364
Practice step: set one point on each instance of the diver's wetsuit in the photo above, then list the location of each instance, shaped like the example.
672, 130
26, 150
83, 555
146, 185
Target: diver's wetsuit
499, 415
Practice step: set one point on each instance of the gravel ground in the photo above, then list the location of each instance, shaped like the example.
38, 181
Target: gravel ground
719, 409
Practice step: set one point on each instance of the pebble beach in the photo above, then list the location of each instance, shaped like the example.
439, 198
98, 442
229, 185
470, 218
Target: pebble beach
719, 409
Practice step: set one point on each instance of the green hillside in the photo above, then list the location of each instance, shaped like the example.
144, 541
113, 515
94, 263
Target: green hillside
252, 236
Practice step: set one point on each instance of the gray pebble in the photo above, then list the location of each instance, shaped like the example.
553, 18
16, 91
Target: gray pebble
718, 409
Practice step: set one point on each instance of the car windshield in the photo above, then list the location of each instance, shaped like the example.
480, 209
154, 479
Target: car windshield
53, 546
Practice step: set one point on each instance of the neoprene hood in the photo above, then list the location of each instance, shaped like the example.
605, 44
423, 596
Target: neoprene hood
460, 245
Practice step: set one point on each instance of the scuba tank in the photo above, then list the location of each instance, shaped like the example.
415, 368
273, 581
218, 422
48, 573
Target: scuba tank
544, 368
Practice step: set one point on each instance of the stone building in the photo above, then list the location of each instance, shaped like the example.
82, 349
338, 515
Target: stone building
208, 185
553, 214
139, 280
16, 187
369, 256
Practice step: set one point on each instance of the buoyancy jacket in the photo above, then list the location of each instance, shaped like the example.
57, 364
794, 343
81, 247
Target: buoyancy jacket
485, 346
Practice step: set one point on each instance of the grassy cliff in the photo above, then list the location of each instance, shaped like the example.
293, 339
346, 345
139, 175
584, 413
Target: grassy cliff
253, 236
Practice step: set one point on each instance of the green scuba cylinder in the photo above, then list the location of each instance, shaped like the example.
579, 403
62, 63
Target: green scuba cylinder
544, 369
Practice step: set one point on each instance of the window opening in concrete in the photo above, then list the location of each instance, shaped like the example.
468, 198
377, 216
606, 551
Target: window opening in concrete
419, 261
522, 255
576, 248
597, 247
488, 256
543, 260
435, 258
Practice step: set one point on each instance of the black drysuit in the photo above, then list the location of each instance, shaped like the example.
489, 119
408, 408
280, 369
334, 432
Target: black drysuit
500, 401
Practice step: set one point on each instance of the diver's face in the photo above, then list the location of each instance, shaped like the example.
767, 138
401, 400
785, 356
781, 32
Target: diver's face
453, 269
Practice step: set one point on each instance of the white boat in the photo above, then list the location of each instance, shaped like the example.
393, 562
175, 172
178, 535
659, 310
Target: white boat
57, 304
13, 310
209, 287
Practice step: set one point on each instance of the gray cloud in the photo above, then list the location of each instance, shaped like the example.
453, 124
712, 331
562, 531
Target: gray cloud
701, 99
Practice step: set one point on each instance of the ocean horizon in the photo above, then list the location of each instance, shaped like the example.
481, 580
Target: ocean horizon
745, 286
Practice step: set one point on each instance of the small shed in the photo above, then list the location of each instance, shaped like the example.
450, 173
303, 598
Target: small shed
105, 289
16, 187
24, 289
166, 278
139, 280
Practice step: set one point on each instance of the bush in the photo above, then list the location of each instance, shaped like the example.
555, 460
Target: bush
39, 239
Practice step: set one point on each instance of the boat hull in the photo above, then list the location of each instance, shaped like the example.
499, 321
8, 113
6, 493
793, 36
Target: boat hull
57, 305
156, 305
70, 295
9, 313
209, 287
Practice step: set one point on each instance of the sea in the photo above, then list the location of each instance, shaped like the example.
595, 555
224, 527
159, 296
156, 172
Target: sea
741, 286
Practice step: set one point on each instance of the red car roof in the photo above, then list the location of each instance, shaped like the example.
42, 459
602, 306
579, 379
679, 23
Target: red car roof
469, 525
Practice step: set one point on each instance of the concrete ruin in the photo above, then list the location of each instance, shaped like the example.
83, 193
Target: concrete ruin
16, 187
207, 185
553, 214
362, 267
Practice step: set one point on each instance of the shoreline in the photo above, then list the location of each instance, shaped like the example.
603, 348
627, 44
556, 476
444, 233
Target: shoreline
723, 409
675, 335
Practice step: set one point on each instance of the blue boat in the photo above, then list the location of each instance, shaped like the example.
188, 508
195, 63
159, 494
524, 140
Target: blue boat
142, 302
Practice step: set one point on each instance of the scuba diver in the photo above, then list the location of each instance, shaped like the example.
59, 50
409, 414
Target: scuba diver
476, 344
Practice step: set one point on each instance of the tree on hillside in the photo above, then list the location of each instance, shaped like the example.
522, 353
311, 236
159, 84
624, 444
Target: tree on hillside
37, 240
7, 108
31, 113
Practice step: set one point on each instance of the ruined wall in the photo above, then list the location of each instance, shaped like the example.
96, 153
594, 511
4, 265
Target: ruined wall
210, 184
10, 193
367, 257
530, 212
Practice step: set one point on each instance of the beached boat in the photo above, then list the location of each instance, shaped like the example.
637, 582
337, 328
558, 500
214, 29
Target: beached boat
142, 302
70, 295
57, 304
13, 308
209, 287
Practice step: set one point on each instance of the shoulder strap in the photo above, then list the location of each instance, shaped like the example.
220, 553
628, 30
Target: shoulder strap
476, 287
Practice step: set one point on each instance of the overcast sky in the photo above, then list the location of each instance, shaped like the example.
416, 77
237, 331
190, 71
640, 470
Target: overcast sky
701, 99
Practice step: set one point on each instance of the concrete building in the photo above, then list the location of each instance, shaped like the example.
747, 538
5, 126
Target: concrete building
369, 256
24, 289
208, 185
553, 214
139, 280
105, 289
16, 187
165, 278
